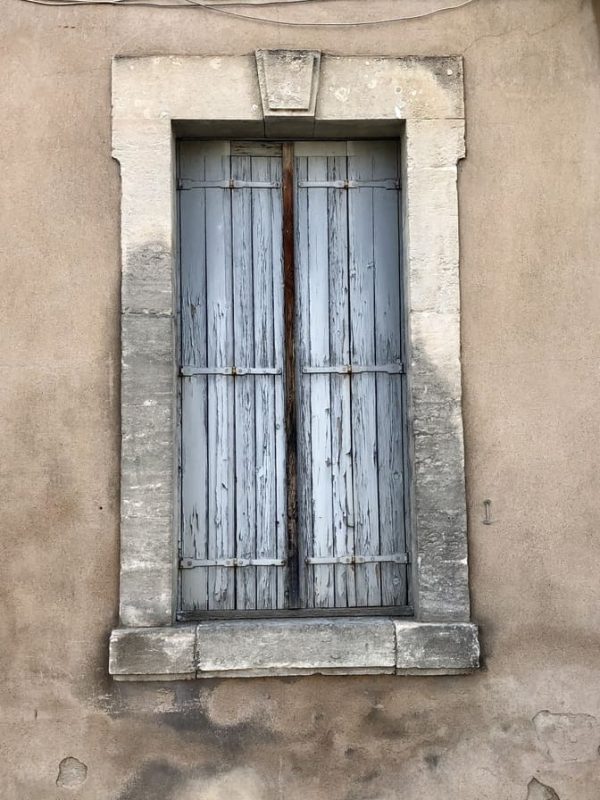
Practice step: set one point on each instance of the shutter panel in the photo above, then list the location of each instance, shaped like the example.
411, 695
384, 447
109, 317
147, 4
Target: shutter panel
350, 421
349, 381
194, 393
233, 441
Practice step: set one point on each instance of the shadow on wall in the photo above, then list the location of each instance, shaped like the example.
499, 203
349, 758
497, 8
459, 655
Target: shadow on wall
596, 7
158, 780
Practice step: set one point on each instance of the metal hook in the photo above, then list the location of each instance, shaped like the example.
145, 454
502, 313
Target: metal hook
487, 510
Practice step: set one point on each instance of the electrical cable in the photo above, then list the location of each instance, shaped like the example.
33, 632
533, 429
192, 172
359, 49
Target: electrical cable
250, 18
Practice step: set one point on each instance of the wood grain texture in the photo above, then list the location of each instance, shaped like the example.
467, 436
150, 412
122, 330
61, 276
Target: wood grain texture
364, 401
219, 342
345, 337
292, 573
264, 397
194, 392
303, 390
316, 261
245, 433
342, 482
233, 461
388, 350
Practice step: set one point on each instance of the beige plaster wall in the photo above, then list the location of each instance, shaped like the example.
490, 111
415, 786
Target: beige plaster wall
530, 284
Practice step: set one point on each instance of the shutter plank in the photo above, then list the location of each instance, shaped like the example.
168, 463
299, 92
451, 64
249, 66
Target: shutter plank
303, 387
339, 343
389, 387
320, 396
245, 433
219, 303
266, 536
279, 342
194, 495
364, 404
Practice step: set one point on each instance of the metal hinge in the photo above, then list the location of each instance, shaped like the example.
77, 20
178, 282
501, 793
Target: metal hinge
393, 558
349, 369
188, 371
183, 184
192, 563
351, 184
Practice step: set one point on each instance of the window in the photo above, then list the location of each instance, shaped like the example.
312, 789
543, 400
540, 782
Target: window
326, 442
287, 96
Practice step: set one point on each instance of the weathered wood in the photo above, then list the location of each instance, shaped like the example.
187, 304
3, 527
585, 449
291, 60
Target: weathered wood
194, 393
388, 349
304, 471
256, 149
288, 494
264, 354
342, 370
280, 550
316, 261
296, 613
342, 483
364, 404
219, 336
318, 310
245, 433
236, 428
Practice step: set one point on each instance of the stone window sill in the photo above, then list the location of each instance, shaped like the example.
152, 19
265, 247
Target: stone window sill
258, 648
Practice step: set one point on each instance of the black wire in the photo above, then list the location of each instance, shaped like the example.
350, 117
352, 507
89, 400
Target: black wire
250, 18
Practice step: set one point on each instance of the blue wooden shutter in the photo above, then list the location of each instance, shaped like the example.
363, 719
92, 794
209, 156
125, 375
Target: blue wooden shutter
350, 476
349, 383
233, 441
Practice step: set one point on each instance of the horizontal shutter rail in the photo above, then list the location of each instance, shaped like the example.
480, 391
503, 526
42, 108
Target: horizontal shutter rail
349, 369
392, 558
193, 563
189, 372
373, 184
185, 184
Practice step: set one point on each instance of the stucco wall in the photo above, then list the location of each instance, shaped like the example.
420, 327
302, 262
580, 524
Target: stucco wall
530, 291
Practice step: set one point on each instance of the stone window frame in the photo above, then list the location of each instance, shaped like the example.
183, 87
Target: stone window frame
299, 94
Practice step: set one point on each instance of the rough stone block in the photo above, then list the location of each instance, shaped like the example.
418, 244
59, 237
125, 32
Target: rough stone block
296, 646
450, 646
144, 652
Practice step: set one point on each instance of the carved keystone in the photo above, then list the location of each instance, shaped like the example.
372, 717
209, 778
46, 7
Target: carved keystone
288, 81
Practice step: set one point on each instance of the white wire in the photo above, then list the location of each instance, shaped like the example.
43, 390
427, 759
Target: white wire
250, 17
